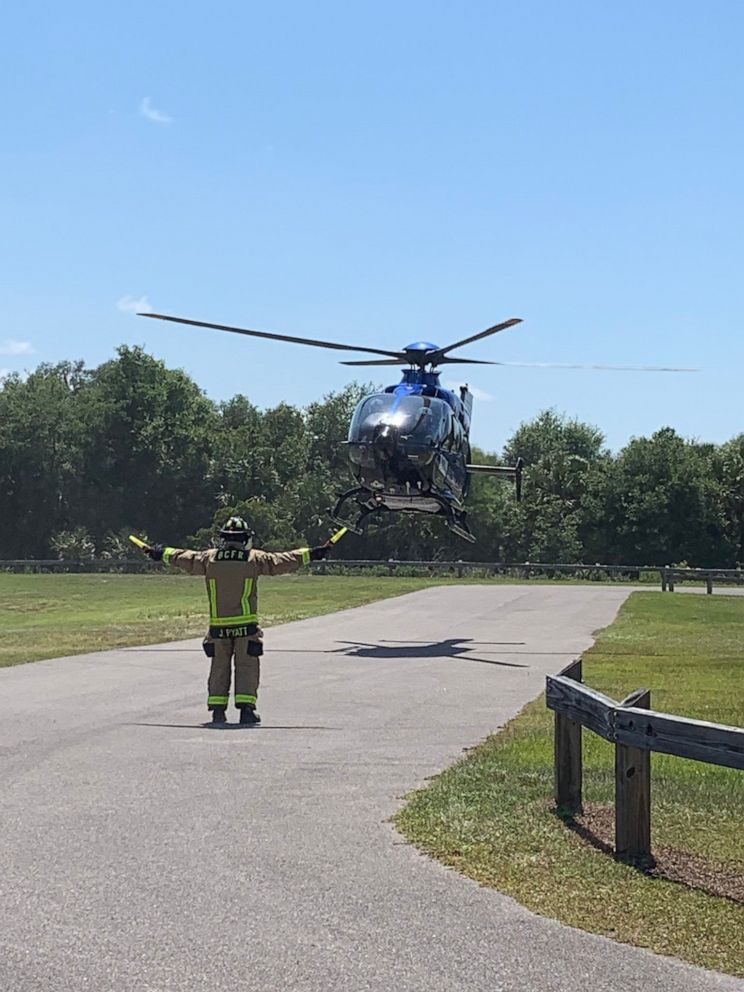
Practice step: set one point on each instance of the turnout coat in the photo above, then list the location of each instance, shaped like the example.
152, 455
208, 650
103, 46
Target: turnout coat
231, 576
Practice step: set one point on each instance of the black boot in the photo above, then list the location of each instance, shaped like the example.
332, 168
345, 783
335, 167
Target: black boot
218, 715
249, 717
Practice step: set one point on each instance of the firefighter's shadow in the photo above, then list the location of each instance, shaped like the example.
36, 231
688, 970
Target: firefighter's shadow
451, 647
224, 728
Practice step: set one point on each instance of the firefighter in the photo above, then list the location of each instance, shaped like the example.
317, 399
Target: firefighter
231, 572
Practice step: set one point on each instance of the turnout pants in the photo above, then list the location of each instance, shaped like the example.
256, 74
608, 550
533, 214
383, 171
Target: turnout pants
247, 673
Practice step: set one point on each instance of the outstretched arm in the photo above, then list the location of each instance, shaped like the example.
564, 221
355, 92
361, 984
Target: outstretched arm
280, 563
193, 562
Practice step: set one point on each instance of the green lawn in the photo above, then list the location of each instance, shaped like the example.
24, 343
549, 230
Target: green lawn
491, 815
47, 616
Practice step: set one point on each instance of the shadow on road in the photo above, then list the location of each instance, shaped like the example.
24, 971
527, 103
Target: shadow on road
157, 649
225, 727
452, 647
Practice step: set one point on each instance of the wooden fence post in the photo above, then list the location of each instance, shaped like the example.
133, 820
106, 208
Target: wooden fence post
633, 794
663, 573
709, 584
568, 767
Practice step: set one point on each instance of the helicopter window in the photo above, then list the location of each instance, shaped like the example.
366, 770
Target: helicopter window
457, 434
452, 440
418, 419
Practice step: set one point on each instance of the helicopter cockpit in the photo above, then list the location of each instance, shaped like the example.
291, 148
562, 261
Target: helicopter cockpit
417, 421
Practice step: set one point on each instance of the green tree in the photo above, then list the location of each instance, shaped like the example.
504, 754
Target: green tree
660, 504
241, 455
561, 456
88, 455
728, 467
40, 457
148, 433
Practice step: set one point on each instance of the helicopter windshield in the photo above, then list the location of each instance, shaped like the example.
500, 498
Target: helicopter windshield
422, 420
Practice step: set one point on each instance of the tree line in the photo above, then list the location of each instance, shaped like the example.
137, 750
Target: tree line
89, 455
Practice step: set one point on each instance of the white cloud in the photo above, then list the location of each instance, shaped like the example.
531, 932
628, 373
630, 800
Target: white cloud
4, 372
152, 113
132, 304
478, 394
12, 347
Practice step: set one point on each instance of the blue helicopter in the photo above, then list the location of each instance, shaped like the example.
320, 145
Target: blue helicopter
409, 446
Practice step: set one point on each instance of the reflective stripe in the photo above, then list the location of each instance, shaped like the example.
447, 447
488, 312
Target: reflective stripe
230, 621
218, 700
305, 556
244, 602
241, 698
212, 587
246, 617
168, 554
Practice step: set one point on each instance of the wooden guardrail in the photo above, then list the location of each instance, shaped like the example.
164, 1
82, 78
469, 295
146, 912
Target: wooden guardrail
668, 575
88, 565
636, 730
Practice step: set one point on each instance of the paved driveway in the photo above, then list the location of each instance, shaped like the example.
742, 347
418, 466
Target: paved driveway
144, 853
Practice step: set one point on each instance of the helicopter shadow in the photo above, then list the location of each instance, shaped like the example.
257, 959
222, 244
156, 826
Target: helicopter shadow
451, 647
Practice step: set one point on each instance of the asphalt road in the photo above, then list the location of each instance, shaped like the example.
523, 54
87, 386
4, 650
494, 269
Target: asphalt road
142, 852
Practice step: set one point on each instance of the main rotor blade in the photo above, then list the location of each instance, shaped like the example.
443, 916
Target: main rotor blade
461, 361
404, 360
273, 337
379, 361
482, 334
602, 368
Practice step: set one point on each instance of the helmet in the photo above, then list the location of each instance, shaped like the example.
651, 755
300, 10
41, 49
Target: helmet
237, 531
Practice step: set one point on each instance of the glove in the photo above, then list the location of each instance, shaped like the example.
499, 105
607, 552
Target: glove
317, 553
154, 551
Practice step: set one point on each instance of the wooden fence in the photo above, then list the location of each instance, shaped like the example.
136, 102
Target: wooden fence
667, 575
636, 730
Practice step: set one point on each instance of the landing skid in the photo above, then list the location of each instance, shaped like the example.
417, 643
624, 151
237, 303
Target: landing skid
462, 530
369, 503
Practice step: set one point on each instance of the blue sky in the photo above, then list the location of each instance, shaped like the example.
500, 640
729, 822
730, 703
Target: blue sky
379, 173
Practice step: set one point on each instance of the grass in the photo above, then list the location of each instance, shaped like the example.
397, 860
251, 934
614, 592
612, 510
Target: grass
491, 816
48, 616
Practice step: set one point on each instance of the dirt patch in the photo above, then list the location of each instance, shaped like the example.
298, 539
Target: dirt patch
596, 826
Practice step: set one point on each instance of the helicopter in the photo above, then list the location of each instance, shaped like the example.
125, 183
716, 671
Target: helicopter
409, 445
